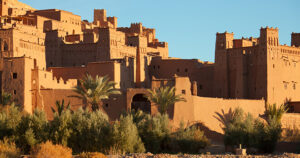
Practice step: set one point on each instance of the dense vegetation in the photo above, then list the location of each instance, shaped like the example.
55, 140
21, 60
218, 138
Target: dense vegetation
250, 132
85, 131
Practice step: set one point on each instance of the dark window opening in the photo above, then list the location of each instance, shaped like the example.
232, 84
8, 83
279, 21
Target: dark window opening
15, 75
106, 105
200, 86
178, 70
154, 67
5, 46
186, 70
15, 92
183, 91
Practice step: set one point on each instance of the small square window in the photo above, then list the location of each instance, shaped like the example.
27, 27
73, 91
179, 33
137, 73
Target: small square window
106, 105
183, 91
200, 86
15, 75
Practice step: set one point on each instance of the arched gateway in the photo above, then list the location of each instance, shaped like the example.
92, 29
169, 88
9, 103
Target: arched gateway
140, 102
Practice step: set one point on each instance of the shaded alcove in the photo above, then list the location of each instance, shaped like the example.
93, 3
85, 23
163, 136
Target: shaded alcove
140, 102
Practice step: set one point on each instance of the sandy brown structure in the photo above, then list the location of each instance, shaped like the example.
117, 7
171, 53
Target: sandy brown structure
45, 52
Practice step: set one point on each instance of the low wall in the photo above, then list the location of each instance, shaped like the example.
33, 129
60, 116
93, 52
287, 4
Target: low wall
204, 110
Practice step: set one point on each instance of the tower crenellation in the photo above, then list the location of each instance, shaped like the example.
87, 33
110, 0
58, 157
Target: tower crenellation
269, 36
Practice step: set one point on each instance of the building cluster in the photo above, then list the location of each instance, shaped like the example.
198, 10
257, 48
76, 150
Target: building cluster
44, 52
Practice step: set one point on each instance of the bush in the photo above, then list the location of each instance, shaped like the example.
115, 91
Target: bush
61, 128
91, 155
92, 130
46, 150
126, 137
8, 150
252, 133
154, 131
32, 130
9, 120
189, 140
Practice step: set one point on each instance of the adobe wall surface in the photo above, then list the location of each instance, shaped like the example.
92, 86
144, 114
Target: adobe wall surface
48, 98
291, 121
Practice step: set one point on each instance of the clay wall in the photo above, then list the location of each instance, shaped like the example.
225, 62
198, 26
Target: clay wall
196, 70
48, 97
206, 109
78, 54
223, 42
114, 106
6, 46
120, 72
74, 38
63, 20
283, 76
17, 6
16, 79
30, 42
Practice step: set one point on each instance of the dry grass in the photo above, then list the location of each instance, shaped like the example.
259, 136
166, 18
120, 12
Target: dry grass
48, 150
8, 150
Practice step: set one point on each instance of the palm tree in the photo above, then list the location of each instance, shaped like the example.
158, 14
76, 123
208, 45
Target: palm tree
93, 90
60, 107
163, 97
276, 112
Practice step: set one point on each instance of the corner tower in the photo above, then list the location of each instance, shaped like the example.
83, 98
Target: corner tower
224, 41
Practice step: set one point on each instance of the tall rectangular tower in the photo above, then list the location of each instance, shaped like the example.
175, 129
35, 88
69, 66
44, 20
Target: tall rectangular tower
224, 41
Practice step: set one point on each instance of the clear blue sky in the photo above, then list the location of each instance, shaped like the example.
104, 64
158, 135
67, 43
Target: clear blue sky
190, 26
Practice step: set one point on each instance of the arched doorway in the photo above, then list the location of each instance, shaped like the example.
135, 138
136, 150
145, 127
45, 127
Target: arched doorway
140, 102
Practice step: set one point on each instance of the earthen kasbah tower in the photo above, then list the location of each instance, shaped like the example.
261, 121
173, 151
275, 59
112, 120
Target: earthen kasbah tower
45, 52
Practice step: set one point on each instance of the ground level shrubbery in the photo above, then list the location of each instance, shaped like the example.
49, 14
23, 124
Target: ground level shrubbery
85, 131
243, 129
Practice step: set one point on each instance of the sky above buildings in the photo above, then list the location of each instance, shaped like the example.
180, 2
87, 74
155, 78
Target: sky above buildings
190, 26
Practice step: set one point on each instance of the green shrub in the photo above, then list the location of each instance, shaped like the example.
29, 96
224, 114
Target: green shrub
92, 130
9, 120
154, 131
189, 140
126, 137
252, 133
61, 128
8, 150
32, 130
